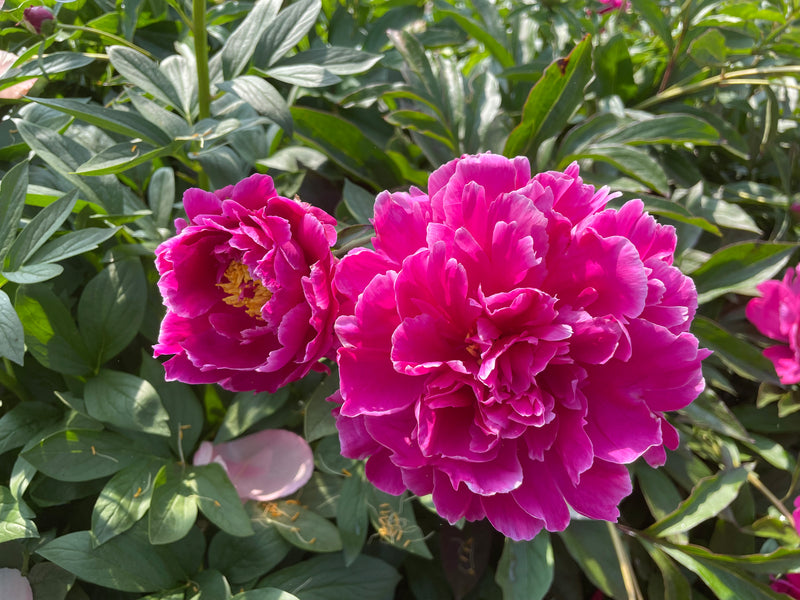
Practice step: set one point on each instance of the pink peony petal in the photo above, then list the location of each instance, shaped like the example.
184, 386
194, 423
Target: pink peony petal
262, 466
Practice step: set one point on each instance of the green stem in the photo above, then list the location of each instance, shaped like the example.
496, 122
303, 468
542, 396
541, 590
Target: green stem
676, 50
756, 483
732, 77
114, 38
628, 577
203, 79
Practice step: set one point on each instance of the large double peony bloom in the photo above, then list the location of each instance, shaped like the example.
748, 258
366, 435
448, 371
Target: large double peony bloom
509, 345
776, 314
247, 285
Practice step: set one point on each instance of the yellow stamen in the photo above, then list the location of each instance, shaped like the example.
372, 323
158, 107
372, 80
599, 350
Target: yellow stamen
243, 291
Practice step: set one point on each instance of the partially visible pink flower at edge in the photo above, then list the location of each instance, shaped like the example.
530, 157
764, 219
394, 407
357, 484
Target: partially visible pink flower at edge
789, 584
776, 314
611, 5
13, 585
262, 466
18, 90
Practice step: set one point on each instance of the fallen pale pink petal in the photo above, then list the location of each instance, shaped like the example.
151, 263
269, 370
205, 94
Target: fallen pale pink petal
14, 585
262, 466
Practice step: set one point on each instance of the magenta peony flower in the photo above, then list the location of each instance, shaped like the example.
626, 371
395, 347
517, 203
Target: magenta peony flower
776, 314
14, 585
247, 286
263, 466
788, 584
611, 5
509, 346
34, 18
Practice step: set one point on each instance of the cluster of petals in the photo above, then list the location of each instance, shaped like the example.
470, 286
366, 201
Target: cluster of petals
776, 314
247, 286
509, 345
262, 466
789, 584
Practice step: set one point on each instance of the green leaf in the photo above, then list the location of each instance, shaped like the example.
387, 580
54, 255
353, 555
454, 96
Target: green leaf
12, 202
218, 500
590, 544
480, 33
525, 570
144, 73
263, 97
33, 273
124, 500
24, 421
367, 578
13, 523
709, 49
126, 401
413, 52
311, 76
347, 146
319, 421
303, 528
61, 153
633, 162
247, 409
83, 454
72, 244
173, 508
121, 157
740, 356
126, 123
209, 584
239, 47
727, 583
708, 498
111, 309
613, 68
57, 62
243, 559
39, 230
161, 195
359, 202
659, 491
49, 581
672, 210
665, 129
12, 334
127, 562
676, 586
740, 267
336, 60
652, 13
423, 123
265, 594
351, 515
289, 27
50, 333
552, 101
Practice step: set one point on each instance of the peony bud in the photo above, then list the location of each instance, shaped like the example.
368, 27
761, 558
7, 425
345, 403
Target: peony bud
35, 19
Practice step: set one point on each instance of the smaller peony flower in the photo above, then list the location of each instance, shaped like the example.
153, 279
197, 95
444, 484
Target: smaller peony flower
37, 19
247, 286
263, 466
789, 584
776, 314
14, 585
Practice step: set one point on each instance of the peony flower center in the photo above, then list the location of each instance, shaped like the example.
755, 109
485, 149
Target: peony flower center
242, 290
